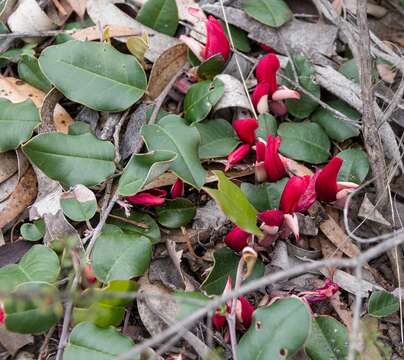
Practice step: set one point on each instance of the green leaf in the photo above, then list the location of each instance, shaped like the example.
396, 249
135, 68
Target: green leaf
107, 310
267, 125
240, 37
79, 128
14, 55
143, 168
234, 204
34, 231
200, 99
35, 313
211, 67
119, 255
382, 303
150, 228
89, 342
160, 15
336, 128
225, 265
29, 71
17, 122
175, 213
218, 138
72, 159
264, 196
173, 134
277, 331
355, 166
273, 13
94, 74
329, 339
302, 108
39, 264
304, 141
79, 204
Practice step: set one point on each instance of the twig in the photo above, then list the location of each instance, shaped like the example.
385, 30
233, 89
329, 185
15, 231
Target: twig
17, 35
393, 103
394, 239
45, 343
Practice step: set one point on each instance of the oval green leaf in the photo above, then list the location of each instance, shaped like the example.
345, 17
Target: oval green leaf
30, 72
273, 13
89, 342
17, 122
79, 204
201, 98
94, 74
176, 213
173, 134
303, 107
143, 168
277, 331
33, 314
336, 128
225, 265
355, 166
218, 138
33, 231
382, 303
72, 159
119, 255
211, 67
329, 339
304, 141
160, 15
234, 204
267, 125
39, 264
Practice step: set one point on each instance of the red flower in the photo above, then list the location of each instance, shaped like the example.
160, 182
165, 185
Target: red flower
237, 155
89, 274
272, 218
244, 311
326, 291
327, 187
259, 97
273, 164
177, 190
237, 239
216, 42
2, 315
266, 72
219, 319
245, 129
148, 198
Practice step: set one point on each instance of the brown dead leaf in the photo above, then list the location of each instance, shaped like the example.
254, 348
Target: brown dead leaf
93, 32
23, 195
386, 73
8, 165
78, 6
17, 90
168, 63
13, 342
11, 253
342, 310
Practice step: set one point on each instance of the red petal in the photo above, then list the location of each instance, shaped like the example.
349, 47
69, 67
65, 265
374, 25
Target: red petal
272, 217
237, 155
237, 239
245, 129
216, 41
218, 321
326, 184
260, 90
151, 198
260, 148
246, 311
266, 71
309, 196
2, 315
292, 192
273, 163
177, 190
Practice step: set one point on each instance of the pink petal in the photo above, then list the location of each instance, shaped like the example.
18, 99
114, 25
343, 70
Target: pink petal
237, 155
309, 196
177, 190
284, 93
237, 239
259, 97
245, 129
278, 108
196, 47
273, 163
266, 71
89, 275
326, 184
260, 172
292, 223
216, 41
2, 314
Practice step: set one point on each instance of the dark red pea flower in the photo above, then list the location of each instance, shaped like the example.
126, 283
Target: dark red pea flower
237, 239
273, 163
326, 291
219, 319
245, 129
216, 42
271, 217
177, 190
148, 198
244, 311
327, 187
237, 155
